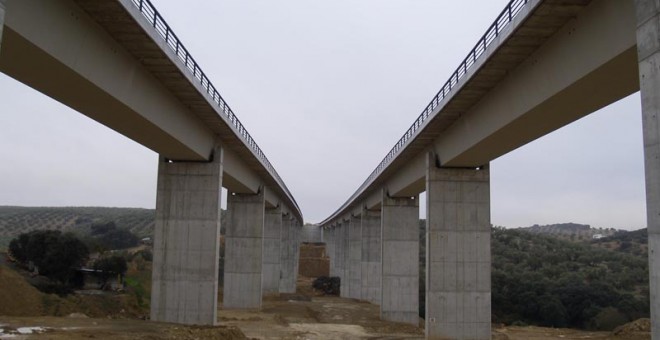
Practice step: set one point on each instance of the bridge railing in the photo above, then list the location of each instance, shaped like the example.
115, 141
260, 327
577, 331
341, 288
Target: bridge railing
503, 20
158, 23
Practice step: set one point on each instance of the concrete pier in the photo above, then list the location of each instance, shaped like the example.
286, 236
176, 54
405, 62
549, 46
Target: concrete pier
458, 258
340, 252
355, 258
187, 242
400, 259
243, 251
287, 285
370, 261
329, 238
271, 250
297, 235
648, 53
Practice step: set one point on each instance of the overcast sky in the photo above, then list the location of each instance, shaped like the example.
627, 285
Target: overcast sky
326, 87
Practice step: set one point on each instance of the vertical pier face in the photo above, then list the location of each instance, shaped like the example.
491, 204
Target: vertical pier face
458, 258
648, 54
371, 265
344, 290
329, 238
287, 278
187, 242
400, 259
243, 251
271, 251
355, 258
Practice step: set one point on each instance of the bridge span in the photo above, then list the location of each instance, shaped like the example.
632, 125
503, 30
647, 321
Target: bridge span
119, 63
541, 65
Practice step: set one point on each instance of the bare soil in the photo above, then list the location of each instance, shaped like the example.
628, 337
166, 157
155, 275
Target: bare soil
308, 314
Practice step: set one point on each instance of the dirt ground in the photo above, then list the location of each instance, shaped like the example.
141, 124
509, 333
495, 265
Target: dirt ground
304, 315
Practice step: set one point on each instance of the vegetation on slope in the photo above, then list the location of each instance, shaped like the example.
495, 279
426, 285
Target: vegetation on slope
17, 220
548, 281
542, 280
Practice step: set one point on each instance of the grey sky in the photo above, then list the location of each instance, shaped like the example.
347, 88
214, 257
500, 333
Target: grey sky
326, 88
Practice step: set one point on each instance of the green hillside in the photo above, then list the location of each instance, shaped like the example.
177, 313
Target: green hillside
17, 220
539, 279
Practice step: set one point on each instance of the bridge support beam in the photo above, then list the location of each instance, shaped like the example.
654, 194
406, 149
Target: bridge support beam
458, 259
371, 256
243, 250
344, 290
297, 236
271, 252
648, 54
400, 259
329, 238
287, 281
355, 258
187, 242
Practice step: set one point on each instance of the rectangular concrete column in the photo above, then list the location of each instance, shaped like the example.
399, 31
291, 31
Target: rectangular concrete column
297, 235
187, 242
243, 250
648, 53
400, 259
345, 263
355, 258
458, 259
339, 257
371, 266
287, 281
271, 253
329, 237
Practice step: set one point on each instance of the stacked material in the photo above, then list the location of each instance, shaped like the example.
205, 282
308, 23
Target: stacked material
313, 260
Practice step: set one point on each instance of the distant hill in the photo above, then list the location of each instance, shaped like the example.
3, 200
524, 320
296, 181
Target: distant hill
570, 231
631, 242
17, 220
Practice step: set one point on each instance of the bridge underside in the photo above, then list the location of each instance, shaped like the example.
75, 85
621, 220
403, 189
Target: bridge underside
103, 59
556, 63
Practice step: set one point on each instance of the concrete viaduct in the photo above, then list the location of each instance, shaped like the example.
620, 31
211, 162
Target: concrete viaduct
119, 63
541, 65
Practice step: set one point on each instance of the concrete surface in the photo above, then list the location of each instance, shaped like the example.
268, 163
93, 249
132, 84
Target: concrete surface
297, 232
187, 242
345, 290
329, 237
287, 282
458, 283
400, 259
355, 258
271, 250
648, 51
311, 233
243, 251
119, 72
584, 43
371, 266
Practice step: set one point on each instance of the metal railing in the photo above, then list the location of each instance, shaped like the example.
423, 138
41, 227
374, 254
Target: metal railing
504, 19
158, 23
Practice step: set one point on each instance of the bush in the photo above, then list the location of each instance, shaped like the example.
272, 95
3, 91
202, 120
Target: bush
55, 254
328, 285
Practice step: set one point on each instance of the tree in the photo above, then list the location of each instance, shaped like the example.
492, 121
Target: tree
111, 266
55, 254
